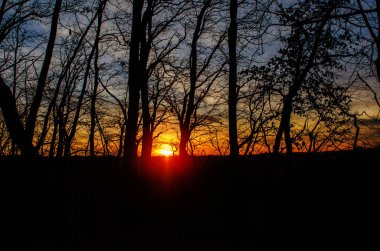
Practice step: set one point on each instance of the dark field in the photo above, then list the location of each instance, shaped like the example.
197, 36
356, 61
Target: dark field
326, 201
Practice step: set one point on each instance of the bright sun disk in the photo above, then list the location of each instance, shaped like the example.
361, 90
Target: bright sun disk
166, 152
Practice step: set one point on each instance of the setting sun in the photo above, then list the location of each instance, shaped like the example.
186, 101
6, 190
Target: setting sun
166, 152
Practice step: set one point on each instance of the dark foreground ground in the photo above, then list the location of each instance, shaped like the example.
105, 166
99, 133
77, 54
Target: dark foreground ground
326, 201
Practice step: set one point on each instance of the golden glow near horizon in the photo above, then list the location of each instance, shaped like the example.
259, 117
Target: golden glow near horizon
164, 150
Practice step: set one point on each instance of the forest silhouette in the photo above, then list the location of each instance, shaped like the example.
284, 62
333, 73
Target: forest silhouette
189, 125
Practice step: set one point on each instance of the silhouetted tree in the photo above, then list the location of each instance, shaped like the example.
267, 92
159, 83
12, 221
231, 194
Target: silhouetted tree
158, 18
364, 24
74, 44
199, 74
232, 79
24, 137
111, 77
305, 67
100, 9
253, 22
134, 77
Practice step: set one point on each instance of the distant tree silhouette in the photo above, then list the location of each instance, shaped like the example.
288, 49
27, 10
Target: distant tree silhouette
373, 29
100, 10
239, 77
365, 25
88, 62
304, 69
23, 136
252, 31
154, 35
75, 45
232, 79
156, 40
199, 74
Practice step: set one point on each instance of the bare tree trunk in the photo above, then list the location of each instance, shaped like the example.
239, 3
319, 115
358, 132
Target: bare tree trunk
121, 137
60, 80
147, 145
147, 139
299, 78
145, 48
355, 144
377, 40
189, 109
311, 139
61, 132
277, 141
23, 138
96, 80
149, 35
185, 136
53, 139
71, 135
284, 127
232, 81
54, 135
288, 138
133, 83
32, 117
13, 121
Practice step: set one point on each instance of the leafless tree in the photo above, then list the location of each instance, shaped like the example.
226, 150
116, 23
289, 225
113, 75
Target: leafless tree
12, 15
304, 69
188, 97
